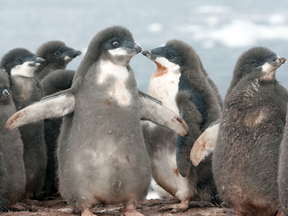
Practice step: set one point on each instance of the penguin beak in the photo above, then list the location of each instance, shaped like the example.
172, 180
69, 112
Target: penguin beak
147, 53
39, 60
71, 53
137, 48
281, 60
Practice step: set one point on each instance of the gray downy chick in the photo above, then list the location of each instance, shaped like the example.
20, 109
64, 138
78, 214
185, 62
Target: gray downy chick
20, 64
54, 82
101, 153
245, 159
57, 55
12, 172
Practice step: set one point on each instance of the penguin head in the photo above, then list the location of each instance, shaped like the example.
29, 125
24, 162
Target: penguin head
21, 62
166, 57
101, 48
119, 50
257, 61
57, 53
4, 87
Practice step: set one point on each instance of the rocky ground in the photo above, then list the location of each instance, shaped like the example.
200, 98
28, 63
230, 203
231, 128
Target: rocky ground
58, 207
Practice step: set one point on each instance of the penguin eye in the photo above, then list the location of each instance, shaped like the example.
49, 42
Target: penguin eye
115, 43
5, 92
18, 61
170, 55
274, 58
256, 63
57, 53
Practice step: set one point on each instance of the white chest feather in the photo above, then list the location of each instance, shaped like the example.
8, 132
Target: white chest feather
26, 69
164, 87
120, 74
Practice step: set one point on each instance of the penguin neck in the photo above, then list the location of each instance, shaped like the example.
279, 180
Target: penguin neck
164, 86
117, 89
108, 68
44, 69
23, 70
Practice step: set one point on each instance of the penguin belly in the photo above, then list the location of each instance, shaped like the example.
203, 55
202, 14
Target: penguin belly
163, 160
161, 141
107, 158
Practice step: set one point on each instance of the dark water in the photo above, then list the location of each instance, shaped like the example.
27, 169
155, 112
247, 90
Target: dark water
219, 31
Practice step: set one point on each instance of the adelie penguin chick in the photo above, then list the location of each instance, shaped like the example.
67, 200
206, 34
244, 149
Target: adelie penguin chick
57, 55
283, 170
12, 173
54, 82
101, 152
181, 84
20, 64
245, 159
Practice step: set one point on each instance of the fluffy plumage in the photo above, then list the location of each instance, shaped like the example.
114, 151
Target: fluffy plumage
282, 170
245, 159
101, 152
54, 82
12, 173
57, 55
182, 84
20, 64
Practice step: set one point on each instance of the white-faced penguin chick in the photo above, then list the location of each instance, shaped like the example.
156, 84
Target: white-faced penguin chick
245, 159
20, 64
181, 85
57, 55
283, 170
101, 153
12, 172
54, 82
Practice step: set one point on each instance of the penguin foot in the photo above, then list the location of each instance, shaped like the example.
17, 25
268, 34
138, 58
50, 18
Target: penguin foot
87, 212
180, 207
130, 210
17, 207
31, 202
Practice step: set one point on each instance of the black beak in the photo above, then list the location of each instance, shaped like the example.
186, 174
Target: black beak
282, 60
145, 52
39, 60
72, 53
137, 48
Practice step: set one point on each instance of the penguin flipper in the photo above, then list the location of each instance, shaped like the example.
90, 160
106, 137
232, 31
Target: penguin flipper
54, 106
153, 110
188, 101
205, 144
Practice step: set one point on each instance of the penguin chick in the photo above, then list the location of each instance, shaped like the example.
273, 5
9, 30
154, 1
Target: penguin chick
20, 64
180, 83
282, 170
101, 152
57, 55
12, 173
245, 159
54, 82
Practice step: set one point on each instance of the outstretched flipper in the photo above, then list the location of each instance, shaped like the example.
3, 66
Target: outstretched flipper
53, 106
188, 101
205, 144
154, 111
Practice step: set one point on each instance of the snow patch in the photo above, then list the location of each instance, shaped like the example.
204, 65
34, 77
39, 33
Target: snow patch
238, 33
